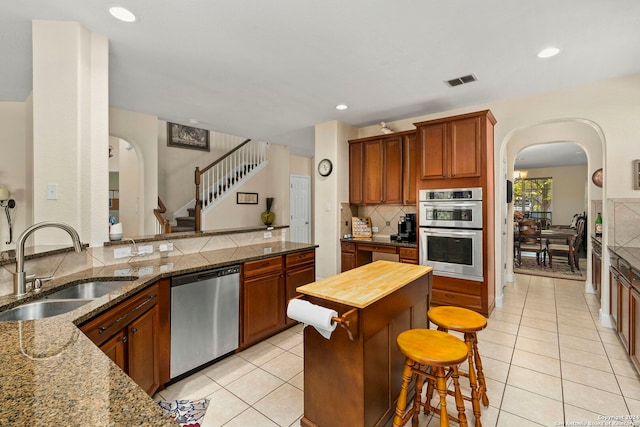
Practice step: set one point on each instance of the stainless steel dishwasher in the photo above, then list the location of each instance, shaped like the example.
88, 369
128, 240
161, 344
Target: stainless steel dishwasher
204, 317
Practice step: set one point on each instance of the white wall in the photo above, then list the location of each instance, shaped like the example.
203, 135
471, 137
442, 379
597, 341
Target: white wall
330, 138
12, 167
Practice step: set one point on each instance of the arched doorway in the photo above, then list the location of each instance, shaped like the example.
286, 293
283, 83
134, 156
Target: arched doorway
126, 185
584, 133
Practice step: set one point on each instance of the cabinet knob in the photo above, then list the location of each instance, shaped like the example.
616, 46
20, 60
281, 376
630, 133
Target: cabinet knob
124, 339
134, 330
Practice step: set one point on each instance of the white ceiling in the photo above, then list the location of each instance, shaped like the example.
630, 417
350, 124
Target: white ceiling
550, 155
271, 70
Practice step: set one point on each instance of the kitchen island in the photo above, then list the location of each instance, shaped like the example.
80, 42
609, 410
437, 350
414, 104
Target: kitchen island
353, 379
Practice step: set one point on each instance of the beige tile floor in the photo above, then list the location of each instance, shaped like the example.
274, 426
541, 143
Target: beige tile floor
546, 360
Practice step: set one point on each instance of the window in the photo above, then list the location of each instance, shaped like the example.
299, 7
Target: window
532, 196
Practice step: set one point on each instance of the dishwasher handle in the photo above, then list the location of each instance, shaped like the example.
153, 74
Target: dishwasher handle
206, 275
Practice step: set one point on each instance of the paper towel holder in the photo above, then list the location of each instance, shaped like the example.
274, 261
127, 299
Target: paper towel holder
348, 321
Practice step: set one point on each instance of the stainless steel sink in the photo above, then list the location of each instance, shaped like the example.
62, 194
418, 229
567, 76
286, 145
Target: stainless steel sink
41, 309
88, 290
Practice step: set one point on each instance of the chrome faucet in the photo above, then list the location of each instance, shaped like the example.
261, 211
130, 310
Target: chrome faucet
20, 278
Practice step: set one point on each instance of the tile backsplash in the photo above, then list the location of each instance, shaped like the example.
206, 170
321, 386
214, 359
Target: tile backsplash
623, 222
385, 217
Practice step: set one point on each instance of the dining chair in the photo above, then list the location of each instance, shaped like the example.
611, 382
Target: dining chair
530, 240
566, 248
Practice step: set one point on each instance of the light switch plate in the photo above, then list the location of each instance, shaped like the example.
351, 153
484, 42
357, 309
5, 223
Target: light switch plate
268, 235
52, 191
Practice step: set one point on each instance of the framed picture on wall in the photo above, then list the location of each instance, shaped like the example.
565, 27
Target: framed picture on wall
187, 137
246, 198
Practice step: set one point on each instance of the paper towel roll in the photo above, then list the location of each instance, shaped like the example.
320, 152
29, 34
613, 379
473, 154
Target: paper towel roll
314, 315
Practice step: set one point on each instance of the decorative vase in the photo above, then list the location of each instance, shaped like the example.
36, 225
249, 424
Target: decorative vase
267, 216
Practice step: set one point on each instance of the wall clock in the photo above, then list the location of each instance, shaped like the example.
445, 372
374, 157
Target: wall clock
325, 167
597, 177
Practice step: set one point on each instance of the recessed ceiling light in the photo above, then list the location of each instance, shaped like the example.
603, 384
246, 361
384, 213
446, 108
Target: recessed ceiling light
341, 107
548, 52
122, 14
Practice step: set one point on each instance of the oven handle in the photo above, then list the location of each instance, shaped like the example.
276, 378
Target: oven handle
448, 204
449, 233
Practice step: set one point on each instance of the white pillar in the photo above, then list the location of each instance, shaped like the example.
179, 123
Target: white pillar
70, 130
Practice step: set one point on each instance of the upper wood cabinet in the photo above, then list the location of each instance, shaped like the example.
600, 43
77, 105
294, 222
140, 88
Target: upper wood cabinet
410, 168
376, 174
453, 147
356, 162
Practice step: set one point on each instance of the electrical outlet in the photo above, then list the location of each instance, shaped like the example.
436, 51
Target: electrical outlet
122, 252
267, 251
145, 271
267, 235
145, 249
374, 229
122, 272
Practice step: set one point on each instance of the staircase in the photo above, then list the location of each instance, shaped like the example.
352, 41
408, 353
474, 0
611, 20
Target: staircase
216, 181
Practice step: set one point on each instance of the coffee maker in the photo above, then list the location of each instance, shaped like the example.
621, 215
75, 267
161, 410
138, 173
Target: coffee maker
406, 229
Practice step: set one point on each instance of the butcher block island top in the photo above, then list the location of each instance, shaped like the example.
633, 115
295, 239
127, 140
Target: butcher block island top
365, 285
353, 378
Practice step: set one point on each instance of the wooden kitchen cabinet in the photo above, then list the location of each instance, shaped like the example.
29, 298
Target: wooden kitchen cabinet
300, 270
408, 255
356, 168
596, 266
262, 299
455, 147
376, 170
410, 168
130, 335
624, 304
348, 256
635, 324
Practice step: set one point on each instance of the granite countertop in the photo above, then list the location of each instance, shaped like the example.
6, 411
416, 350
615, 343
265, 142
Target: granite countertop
381, 241
52, 374
631, 255
362, 286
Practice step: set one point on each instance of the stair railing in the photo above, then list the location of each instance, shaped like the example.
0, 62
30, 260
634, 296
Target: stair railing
163, 225
213, 180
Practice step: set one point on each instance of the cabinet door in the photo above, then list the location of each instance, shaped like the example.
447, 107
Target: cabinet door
263, 307
596, 272
613, 295
635, 327
411, 167
373, 164
624, 308
355, 173
465, 148
392, 172
347, 261
298, 277
143, 351
434, 154
115, 348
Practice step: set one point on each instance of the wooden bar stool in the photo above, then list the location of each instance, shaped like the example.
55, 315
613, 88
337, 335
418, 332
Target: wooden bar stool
441, 353
469, 322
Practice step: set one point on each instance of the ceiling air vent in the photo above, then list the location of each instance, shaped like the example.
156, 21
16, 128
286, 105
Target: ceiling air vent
461, 80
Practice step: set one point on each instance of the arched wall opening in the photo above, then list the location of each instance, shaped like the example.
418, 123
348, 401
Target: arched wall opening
582, 132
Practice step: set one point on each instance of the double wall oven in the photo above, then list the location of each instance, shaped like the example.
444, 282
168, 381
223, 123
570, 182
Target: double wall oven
451, 232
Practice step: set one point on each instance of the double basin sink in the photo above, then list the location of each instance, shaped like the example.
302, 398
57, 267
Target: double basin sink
63, 301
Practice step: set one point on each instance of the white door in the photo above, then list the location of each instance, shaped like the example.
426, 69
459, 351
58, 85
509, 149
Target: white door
300, 208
